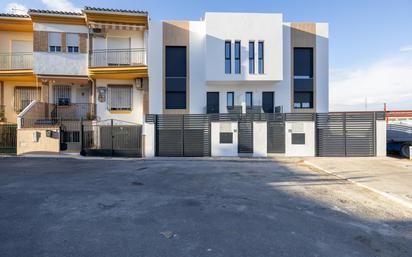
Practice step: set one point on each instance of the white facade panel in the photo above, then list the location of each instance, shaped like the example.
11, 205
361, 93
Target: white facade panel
74, 64
322, 67
197, 91
155, 66
244, 27
300, 150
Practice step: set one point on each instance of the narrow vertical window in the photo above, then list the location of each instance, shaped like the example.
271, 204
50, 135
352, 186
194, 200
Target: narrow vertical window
230, 100
261, 54
249, 100
251, 57
303, 78
176, 77
237, 57
72, 42
228, 57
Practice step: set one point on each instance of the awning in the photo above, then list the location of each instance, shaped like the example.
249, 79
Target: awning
116, 26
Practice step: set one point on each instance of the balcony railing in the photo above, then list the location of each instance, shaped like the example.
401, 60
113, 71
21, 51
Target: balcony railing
16, 61
86, 111
117, 57
2, 112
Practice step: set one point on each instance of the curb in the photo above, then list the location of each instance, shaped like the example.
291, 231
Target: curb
381, 193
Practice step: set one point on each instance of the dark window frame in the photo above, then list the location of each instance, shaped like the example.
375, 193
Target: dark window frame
173, 96
238, 57
305, 88
261, 57
218, 101
251, 100
272, 108
230, 107
252, 57
228, 57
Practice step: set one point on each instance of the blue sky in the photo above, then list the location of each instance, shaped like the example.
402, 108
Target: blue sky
370, 40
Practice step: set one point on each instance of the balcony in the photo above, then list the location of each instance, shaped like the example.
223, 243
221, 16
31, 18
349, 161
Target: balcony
16, 61
118, 57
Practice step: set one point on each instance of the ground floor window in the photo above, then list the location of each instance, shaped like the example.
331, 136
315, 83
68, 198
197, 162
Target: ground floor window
23, 96
62, 94
120, 97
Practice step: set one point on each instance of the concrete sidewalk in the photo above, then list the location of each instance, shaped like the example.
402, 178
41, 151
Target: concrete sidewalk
389, 177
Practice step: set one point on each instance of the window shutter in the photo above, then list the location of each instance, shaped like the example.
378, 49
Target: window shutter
54, 39
72, 39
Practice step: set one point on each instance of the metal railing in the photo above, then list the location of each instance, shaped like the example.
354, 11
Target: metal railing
2, 112
117, 57
50, 115
16, 61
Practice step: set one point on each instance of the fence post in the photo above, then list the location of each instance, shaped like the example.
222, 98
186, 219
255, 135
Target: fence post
81, 136
111, 136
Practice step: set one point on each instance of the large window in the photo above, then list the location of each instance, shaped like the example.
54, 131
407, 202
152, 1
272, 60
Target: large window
303, 78
120, 97
55, 42
230, 101
176, 77
62, 94
228, 57
249, 100
23, 96
72, 42
268, 102
237, 57
251, 57
261, 57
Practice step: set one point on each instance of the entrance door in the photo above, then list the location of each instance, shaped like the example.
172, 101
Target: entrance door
268, 102
245, 136
83, 101
212, 102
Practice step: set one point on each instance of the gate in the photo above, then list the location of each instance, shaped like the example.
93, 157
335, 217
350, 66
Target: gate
276, 136
182, 135
8, 138
70, 134
111, 138
245, 135
345, 134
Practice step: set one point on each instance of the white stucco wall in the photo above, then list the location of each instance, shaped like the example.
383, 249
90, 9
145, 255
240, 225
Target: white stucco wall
135, 116
155, 66
50, 27
322, 67
149, 140
381, 138
307, 149
245, 27
223, 150
260, 139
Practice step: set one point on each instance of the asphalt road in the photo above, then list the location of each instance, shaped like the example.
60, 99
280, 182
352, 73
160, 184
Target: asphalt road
67, 207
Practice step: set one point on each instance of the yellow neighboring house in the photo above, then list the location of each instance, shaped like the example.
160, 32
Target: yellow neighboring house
18, 85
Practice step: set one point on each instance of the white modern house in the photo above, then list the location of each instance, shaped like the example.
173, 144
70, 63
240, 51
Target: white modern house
238, 62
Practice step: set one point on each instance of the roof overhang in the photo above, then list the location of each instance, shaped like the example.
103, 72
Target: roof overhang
18, 24
17, 75
117, 17
58, 18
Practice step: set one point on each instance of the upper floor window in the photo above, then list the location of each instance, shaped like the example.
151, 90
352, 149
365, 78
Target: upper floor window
303, 78
251, 57
72, 42
176, 77
261, 55
228, 57
55, 42
237, 57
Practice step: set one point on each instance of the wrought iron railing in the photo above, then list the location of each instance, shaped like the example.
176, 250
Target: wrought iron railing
118, 57
16, 61
2, 112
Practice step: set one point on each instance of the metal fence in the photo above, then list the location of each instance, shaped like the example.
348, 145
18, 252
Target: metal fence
16, 61
117, 57
2, 112
8, 138
111, 138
